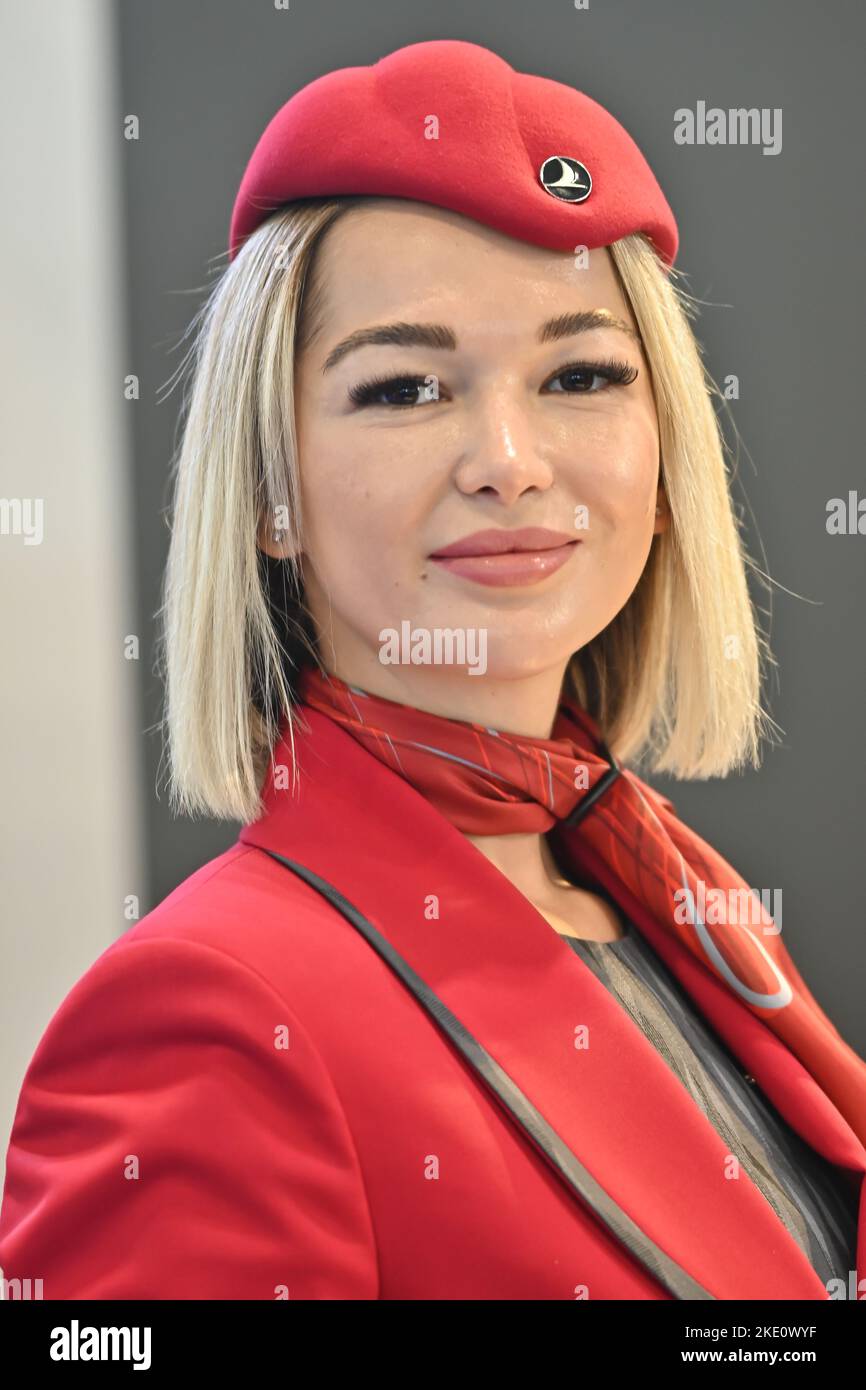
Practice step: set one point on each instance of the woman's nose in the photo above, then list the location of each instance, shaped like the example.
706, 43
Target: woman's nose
502, 449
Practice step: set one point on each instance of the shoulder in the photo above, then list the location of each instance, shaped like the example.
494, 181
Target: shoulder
239, 940
210, 960
244, 908
231, 902
176, 1091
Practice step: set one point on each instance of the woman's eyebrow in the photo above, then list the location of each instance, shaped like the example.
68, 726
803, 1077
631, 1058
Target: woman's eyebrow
439, 336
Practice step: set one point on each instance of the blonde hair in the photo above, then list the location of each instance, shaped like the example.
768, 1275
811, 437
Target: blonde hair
674, 679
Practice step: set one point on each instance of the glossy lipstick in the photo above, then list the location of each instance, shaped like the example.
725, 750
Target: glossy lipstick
502, 557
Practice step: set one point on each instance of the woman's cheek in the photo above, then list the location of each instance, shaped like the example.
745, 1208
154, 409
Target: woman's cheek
626, 498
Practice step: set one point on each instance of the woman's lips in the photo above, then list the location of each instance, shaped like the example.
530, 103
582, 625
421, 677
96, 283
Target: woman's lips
511, 568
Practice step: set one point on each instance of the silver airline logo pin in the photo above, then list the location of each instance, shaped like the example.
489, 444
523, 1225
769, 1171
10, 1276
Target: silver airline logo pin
565, 178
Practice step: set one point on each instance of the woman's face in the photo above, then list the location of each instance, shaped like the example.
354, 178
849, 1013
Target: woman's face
500, 427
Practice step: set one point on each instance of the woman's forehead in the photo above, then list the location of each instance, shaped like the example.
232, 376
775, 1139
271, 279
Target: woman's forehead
392, 258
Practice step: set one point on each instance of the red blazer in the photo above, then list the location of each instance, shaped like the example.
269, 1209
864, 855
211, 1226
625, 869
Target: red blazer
168, 1144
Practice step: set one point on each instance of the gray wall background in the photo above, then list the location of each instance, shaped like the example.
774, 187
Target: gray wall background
773, 244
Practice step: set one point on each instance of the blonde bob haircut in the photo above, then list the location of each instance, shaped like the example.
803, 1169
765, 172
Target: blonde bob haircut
674, 679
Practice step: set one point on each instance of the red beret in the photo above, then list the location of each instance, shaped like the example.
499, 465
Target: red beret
451, 123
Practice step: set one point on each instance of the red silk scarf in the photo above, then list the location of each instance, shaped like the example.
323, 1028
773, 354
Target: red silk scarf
488, 782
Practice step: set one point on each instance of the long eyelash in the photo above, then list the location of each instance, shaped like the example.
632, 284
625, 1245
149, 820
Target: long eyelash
613, 369
365, 392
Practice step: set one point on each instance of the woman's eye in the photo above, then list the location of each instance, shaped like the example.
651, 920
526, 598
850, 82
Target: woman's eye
580, 377
405, 393
399, 391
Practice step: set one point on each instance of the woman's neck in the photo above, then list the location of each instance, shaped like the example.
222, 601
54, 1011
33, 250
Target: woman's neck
526, 860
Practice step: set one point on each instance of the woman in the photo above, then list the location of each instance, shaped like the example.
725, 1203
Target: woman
452, 544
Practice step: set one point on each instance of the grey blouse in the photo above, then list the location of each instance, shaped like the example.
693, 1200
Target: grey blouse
815, 1199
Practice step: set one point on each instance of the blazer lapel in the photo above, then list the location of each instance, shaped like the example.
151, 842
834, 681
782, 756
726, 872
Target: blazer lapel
793, 1090
529, 1000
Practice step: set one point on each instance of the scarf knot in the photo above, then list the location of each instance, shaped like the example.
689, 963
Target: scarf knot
485, 781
